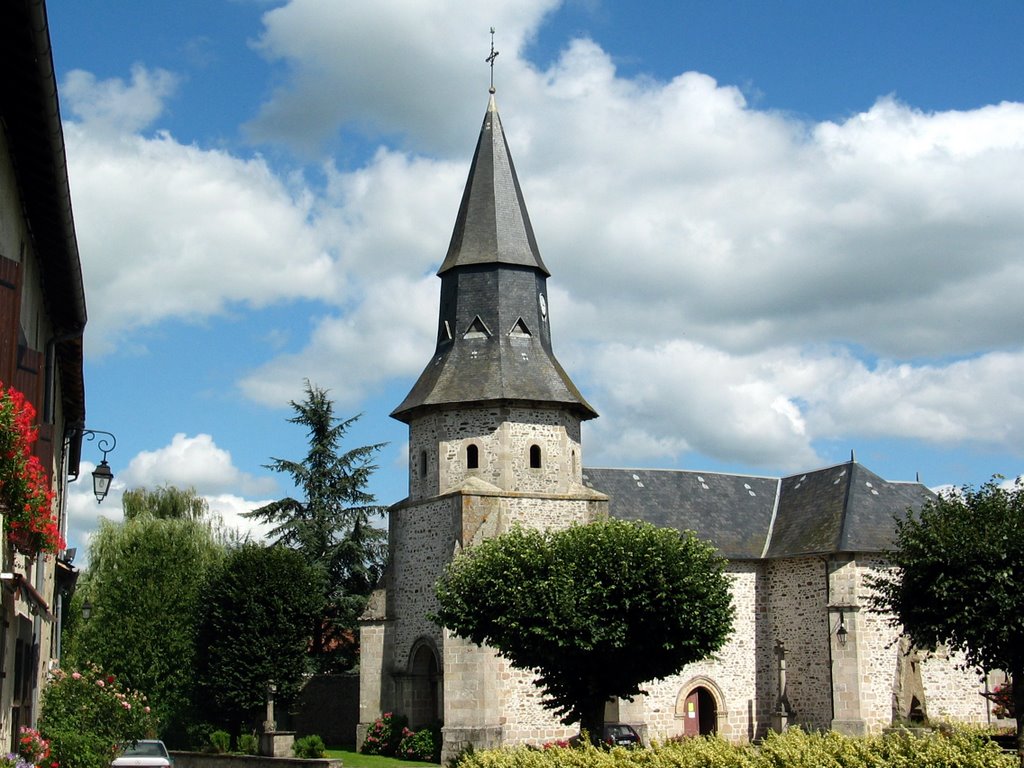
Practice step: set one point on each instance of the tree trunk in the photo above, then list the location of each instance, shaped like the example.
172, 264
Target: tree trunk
593, 720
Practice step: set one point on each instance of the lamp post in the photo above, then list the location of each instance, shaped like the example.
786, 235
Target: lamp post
102, 476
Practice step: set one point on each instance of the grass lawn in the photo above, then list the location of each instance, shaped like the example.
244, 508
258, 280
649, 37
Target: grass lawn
352, 759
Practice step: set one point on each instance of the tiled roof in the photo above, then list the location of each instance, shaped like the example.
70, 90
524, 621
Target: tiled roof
845, 508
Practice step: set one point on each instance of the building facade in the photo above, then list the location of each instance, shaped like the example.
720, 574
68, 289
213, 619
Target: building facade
42, 320
494, 441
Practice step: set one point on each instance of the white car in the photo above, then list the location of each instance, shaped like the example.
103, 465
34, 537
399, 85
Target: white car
145, 753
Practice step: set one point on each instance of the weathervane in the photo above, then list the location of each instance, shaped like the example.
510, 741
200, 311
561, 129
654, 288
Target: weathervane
490, 59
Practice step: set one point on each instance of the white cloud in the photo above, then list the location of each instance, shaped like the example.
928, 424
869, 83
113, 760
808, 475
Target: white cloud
391, 66
115, 107
167, 230
187, 462
768, 408
194, 462
726, 280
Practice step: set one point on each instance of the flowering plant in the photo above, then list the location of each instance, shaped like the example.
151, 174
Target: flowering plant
89, 717
26, 497
383, 737
14, 760
1002, 697
32, 747
423, 745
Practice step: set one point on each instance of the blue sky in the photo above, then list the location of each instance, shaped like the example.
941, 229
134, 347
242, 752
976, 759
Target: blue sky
777, 232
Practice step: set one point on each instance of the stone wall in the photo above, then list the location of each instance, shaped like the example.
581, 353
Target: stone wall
797, 597
733, 676
204, 760
328, 706
502, 436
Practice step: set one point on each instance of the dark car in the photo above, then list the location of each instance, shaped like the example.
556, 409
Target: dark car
621, 735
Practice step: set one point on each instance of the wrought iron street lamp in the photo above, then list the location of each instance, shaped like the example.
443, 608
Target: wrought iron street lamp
102, 476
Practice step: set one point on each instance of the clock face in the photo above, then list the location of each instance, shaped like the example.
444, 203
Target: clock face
543, 307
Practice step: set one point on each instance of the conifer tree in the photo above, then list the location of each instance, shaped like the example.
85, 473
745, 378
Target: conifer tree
332, 526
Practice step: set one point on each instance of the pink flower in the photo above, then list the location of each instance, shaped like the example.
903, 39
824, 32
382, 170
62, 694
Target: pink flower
76, 675
101, 684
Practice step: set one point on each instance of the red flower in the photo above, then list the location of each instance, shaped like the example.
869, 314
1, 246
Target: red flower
25, 489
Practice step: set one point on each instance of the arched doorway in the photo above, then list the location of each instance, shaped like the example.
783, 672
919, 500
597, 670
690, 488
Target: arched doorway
698, 709
424, 686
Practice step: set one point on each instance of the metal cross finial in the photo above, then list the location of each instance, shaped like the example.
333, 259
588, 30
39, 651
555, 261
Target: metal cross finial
490, 59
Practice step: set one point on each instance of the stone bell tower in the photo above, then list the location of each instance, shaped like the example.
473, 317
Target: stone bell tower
494, 440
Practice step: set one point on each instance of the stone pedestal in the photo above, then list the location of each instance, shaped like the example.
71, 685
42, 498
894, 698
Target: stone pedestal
277, 743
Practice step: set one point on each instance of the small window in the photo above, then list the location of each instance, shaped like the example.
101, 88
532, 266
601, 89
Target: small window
423, 464
534, 457
472, 457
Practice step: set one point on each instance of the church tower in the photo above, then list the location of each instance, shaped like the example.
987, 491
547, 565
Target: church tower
494, 441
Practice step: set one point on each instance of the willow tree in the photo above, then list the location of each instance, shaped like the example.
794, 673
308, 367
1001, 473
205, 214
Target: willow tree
595, 610
332, 525
145, 583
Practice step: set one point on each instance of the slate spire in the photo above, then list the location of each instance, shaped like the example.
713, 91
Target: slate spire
493, 337
493, 224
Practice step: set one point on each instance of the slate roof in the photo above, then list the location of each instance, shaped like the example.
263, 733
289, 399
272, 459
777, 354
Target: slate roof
493, 334
845, 508
493, 225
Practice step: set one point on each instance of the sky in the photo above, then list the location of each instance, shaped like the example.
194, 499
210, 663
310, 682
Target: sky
777, 232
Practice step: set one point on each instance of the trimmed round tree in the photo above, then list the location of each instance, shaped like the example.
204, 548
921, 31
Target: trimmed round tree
262, 604
595, 610
956, 581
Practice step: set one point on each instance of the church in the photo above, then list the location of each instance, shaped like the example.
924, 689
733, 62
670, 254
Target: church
494, 441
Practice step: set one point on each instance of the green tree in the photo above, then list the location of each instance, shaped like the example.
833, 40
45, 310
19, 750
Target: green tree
260, 608
956, 580
165, 502
333, 525
145, 584
596, 610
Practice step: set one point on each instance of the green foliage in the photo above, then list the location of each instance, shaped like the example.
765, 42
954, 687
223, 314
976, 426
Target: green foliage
260, 605
424, 745
220, 742
145, 582
89, 716
964, 748
332, 527
384, 735
165, 503
309, 747
596, 610
248, 744
958, 567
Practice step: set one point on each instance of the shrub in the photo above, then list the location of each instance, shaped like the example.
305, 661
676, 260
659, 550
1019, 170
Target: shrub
89, 717
383, 737
423, 745
248, 744
309, 747
220, 742
961, 747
